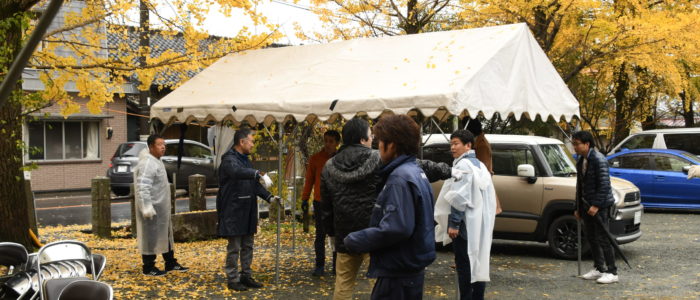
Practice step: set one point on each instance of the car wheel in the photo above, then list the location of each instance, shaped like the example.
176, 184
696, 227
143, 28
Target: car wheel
563, 240
120, 191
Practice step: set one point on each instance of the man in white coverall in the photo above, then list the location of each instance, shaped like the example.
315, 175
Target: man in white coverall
465, 212
154, 228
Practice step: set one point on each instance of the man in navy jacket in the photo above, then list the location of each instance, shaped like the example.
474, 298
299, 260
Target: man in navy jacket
593, 200
237, 209
401, 237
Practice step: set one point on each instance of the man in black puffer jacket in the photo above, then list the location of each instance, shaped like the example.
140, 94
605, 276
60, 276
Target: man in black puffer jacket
348, 189
594, 200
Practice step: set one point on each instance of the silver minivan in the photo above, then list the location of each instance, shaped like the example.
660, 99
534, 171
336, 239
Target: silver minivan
686, 139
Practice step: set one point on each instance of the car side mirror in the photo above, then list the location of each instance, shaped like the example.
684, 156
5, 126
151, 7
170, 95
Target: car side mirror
686, 169
527, 171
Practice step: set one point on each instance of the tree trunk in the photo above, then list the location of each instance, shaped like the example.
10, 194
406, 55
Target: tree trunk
14, 219
622, 109
144, 42
688, 112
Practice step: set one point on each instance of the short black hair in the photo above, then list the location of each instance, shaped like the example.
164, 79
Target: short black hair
585, 137
465, 136
240, 134
475, 127
355, 131
400, 130
152, 139
334, 134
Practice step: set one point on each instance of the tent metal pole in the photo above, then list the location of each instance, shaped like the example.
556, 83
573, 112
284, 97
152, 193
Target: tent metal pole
294, 199
438, 127
279, 191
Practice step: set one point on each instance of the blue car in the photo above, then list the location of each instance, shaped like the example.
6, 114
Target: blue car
661, 175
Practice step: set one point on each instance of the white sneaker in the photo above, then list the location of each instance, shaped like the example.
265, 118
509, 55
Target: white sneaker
608, 278
592, 275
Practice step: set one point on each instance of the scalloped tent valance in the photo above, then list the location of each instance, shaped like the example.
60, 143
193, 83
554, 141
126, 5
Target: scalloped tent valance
488, 70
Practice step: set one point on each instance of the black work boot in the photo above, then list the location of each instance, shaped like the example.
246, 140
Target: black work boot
236, 286
250, 282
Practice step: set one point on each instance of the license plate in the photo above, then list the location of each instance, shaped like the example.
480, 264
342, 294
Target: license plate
637, 217
121, 169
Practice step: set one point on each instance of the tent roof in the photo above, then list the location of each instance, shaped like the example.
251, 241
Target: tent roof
494, 69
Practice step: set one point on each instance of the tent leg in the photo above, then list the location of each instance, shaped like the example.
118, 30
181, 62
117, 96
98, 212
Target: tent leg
279, 191
294, 200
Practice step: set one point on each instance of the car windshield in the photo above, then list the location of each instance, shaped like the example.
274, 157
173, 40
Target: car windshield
559, 160
131, 149
691, 157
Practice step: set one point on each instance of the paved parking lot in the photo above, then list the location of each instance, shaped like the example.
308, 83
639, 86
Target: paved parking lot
664, 262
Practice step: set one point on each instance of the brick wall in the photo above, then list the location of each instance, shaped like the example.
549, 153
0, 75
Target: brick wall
52, 176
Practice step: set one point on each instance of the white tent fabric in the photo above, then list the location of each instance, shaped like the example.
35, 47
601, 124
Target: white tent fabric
494, 69
220, 139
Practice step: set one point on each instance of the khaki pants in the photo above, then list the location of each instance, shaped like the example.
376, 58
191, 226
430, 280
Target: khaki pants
346, 268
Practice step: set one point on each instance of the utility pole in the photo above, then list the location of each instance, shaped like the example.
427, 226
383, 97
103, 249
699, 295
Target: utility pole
144, 47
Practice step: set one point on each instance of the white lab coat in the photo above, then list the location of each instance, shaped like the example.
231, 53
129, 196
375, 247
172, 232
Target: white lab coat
155, 235
474, 195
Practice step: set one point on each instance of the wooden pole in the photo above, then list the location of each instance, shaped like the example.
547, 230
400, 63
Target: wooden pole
101, 207
197, 185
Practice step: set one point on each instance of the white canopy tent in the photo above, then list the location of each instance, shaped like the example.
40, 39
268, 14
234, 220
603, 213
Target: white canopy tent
487, 70
495, 69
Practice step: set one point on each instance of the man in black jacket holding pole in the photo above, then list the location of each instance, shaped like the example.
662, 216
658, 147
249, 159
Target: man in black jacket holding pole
594, 200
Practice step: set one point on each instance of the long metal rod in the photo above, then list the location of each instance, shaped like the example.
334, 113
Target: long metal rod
578, 234
294, 199
279, 191
15, 72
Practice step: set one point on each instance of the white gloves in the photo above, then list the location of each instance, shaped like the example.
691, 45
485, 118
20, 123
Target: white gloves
148, 212
694, 172
267, 182
457, 174
275, 200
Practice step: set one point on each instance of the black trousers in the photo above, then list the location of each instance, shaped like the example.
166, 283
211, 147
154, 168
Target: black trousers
467, 290
149, 261
399, 288
601, 248
320, 239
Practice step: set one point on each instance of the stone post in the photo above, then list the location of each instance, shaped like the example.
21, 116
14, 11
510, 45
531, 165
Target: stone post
197, 186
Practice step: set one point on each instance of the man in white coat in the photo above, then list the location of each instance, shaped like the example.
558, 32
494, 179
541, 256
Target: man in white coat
154, 228
465, 212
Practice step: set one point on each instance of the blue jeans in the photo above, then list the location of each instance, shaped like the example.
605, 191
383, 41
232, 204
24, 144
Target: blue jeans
467, 290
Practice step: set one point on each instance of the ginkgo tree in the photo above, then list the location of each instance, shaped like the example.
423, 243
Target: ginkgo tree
617, 57
98, 75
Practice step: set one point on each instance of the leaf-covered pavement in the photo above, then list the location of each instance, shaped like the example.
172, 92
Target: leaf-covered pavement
664, 260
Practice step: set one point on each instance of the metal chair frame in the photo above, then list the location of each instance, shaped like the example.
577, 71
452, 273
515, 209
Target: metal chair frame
41, 260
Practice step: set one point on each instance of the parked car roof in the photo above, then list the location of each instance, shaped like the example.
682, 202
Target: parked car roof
680, 153
496, 139
167, 141
669, 130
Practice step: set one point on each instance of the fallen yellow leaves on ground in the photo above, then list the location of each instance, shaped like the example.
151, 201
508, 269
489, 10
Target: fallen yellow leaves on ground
206, 279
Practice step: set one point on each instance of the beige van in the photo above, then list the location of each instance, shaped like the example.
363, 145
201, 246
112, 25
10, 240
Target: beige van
535, 180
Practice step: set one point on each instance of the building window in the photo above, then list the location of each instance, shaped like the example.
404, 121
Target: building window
64, 140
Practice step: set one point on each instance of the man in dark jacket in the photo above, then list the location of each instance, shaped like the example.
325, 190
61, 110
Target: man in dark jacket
400, 236
237, 209
593, 200
348, 190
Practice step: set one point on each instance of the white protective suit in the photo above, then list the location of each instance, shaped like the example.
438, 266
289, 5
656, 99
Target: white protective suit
474, 195
154, 235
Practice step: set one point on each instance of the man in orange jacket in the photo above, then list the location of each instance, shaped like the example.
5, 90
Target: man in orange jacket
331, 140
